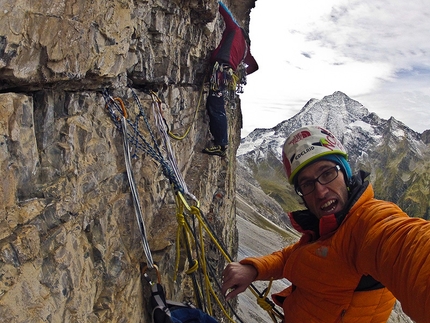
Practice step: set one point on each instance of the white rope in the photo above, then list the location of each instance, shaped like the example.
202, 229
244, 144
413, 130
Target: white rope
167, 146
135, 195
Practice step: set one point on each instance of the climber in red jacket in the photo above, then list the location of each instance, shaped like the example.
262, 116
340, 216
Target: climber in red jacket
356, 253
231, 58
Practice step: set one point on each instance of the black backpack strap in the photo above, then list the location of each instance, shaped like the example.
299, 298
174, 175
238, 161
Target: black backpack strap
160, 309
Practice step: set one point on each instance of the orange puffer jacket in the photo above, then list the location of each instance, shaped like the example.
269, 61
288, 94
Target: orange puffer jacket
332, 266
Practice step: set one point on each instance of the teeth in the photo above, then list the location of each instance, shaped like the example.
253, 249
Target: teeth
328, 204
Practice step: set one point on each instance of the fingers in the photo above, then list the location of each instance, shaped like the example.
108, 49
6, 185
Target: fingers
236, 278
228, 279
231, 293
234, 291
226, 282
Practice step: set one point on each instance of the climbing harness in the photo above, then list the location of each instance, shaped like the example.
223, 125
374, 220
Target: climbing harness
167, 311
223, 79
241, 76
193, 226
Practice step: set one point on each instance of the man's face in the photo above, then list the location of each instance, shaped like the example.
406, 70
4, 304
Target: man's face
325, 199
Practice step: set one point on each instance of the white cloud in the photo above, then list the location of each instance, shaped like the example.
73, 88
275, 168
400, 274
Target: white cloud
377, 51
379, 31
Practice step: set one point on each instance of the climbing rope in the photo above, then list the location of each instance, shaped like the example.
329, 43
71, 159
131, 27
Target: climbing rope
184, 210
135, 195
262, 299
267, 305
116, 108
158, 102
190, 237
163, 130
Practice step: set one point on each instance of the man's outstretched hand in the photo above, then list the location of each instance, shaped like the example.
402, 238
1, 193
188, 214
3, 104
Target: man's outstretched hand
236, 279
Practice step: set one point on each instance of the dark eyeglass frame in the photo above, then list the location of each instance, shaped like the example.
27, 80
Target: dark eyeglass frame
313, 181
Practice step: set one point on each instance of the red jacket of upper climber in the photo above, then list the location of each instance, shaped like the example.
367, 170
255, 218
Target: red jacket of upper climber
234, 47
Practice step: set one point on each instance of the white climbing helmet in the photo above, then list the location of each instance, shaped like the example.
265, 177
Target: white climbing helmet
307, 144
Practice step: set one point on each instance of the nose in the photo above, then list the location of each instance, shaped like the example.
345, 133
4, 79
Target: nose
320, 189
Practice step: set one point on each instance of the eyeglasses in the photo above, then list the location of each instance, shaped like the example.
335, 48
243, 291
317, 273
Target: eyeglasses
328, 176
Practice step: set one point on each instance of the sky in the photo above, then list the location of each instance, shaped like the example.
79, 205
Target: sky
377, 52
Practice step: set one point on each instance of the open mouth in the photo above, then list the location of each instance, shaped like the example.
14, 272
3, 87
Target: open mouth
329, 206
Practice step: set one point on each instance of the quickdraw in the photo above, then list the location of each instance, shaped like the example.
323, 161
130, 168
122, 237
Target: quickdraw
224, 79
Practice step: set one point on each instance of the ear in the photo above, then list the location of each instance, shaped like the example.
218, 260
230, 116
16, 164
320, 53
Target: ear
304, 202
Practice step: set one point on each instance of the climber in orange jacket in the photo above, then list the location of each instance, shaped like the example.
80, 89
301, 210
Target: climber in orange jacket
356, 253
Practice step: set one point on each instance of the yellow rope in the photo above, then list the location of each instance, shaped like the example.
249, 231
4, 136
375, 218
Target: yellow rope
193, 268
181, 222
185, 231
155, 98
204, 268
197, 213
262, 301
226, 314
182, 205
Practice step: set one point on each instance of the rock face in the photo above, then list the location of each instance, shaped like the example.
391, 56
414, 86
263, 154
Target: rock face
70, 249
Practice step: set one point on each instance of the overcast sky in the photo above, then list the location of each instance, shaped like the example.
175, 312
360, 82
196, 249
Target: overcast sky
377, 52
